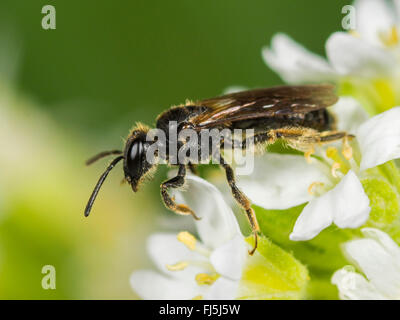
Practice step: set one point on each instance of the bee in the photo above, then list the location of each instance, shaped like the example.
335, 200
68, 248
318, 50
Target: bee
297, 115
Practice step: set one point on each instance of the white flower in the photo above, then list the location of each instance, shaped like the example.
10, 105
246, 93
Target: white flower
189, 269
365, 61
331, 183
378, 257
371, 50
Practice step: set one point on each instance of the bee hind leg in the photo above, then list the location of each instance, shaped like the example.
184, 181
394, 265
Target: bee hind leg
305, 139
169, 202
242, 200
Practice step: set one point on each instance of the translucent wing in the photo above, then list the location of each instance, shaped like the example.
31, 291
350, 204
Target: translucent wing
264, 103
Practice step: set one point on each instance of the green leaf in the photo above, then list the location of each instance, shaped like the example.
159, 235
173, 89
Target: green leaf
272, 273
322, 254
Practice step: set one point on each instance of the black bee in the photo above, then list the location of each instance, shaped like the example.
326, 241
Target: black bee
295, 114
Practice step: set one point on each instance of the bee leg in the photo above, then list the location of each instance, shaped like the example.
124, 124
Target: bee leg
305, 139
259, 138
176, 182
347, 150
242, 200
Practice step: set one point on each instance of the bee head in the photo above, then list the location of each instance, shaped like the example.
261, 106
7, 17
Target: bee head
136, 164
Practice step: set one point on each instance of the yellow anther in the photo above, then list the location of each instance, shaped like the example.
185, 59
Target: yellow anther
187, 239
199, 297
332, 153
335, 167
338, 161
308, 155
347, 150
354, 33
177, 266
391, 38
205, 278
313, 185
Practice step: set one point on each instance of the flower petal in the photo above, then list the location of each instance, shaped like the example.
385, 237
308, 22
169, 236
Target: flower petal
353, 286
384, 240
164, 249
350, 55
280, 181
316, 216
346, 205
229, 258
379, 139
350, 114
222, 289
218, 224
374, 19
378, 261
294, 63
351, 204
150, 285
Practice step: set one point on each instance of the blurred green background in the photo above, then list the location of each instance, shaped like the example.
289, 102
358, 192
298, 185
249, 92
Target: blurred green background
68, 93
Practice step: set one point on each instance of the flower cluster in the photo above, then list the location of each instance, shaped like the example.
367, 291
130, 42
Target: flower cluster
339, 205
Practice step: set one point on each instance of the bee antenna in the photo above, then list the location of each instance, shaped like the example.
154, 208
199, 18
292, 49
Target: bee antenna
102, 155
99, 184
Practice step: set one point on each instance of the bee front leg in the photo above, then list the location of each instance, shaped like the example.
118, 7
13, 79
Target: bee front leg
176, 182
242, 200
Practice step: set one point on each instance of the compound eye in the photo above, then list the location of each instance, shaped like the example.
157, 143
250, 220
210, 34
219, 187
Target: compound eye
134, 159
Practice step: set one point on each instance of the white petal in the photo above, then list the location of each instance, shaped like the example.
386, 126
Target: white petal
280, 181
350, 55
379, 139
222, 289
150, 285
218, 224
385, 241
380, 266
316, 216
353, 286
397, 8
164, 249
294, 63
229, 258
346, 205
374, 18
349, 114
351, 204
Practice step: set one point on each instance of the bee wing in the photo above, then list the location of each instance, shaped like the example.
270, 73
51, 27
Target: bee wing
264, 103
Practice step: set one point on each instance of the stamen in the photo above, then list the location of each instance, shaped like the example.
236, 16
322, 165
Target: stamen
312, 186
331, 153
354, 33
199, 297
177, 266
206, 279
391, 38
338, 161
308, 155
347, 150
334, 168
187, 239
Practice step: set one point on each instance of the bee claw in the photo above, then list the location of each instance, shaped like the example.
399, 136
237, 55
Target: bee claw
251, 252
185, 210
